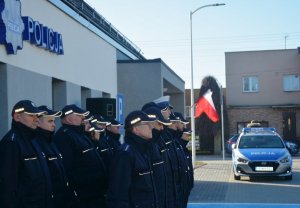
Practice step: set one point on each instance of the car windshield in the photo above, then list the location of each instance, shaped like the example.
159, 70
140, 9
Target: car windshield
234, 138
260, 141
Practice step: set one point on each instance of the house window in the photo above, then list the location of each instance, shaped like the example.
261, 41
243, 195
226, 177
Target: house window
250, 84
291, 83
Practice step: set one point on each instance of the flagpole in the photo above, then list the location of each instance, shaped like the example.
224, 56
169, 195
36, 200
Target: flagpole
192, 96
222, 121
192, 83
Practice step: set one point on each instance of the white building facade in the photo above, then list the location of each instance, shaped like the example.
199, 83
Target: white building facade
65, 60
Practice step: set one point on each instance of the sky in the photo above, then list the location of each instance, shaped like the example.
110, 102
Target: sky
161, 29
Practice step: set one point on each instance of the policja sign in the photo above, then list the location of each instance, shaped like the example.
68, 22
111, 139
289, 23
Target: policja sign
14, 29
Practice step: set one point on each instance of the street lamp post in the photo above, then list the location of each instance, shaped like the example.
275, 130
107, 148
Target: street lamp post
192, 82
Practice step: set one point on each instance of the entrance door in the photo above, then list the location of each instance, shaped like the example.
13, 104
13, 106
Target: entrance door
289, 125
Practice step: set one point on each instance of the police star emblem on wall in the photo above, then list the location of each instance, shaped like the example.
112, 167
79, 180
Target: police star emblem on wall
11, 25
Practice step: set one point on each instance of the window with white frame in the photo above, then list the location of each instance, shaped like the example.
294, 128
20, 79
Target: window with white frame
250, 84
291, 83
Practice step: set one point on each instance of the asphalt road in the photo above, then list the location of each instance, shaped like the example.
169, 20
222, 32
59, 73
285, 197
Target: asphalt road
215, 186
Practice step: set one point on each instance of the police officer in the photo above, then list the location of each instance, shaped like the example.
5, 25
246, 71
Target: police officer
84, 166
24, 177
184, 169
131, 176
44, 138
184, 140
87, 123
164, 105
162, 170
113, 134
170, 146
94, 132
102, 144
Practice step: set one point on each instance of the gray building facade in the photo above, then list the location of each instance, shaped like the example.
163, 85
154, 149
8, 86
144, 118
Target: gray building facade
142, 81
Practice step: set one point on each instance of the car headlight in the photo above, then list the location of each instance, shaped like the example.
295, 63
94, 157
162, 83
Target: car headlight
285, 159
242, 160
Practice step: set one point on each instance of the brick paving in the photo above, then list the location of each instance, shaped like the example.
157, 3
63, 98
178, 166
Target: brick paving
214, 183
211, 180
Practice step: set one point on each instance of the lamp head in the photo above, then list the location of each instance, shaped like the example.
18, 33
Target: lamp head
221, 4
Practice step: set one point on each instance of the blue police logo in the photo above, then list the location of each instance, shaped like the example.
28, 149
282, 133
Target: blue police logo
11, 25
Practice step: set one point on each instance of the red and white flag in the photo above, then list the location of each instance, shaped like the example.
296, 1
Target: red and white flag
206, 105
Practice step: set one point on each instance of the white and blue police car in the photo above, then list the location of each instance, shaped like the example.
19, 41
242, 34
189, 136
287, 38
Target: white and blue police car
261, 152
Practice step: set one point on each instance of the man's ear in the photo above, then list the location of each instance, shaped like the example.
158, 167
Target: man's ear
39, 121
17, 116
65, 120
135, 130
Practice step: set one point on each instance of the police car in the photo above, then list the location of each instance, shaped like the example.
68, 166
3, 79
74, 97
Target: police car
261, 152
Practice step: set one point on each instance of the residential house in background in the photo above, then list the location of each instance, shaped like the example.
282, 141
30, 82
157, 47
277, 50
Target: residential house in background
264, 86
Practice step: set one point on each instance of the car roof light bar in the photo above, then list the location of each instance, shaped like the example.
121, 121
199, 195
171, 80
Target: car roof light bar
261, 129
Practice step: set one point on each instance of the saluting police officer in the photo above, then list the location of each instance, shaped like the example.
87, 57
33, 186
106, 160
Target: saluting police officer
184, 173
44, 137
113, 134
94, 132
184, 140
24, 176
102, 144
168, 140
131, 181
162, 170
84, 166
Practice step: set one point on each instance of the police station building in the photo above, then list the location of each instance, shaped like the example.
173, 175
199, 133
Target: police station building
58, 52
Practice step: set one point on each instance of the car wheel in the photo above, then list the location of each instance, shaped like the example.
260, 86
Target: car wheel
237, 177
289, 177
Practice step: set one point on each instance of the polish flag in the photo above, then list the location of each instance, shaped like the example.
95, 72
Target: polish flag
206, 105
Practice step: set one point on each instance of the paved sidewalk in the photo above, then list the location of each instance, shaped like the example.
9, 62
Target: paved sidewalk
211, 180
214, 185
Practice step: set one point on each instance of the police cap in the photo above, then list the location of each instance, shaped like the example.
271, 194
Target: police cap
136, 117
155, 112
73, 109
28, 107
49, 112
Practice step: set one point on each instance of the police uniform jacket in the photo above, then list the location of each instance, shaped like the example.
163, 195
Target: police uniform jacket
184, 173
49, 151
84, 166
113, 140
24, 177
171, 148
158, 166
189, 160
105, 150
170, 182
131, 183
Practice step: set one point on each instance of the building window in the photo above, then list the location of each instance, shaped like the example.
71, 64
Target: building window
291, 83
250, 84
